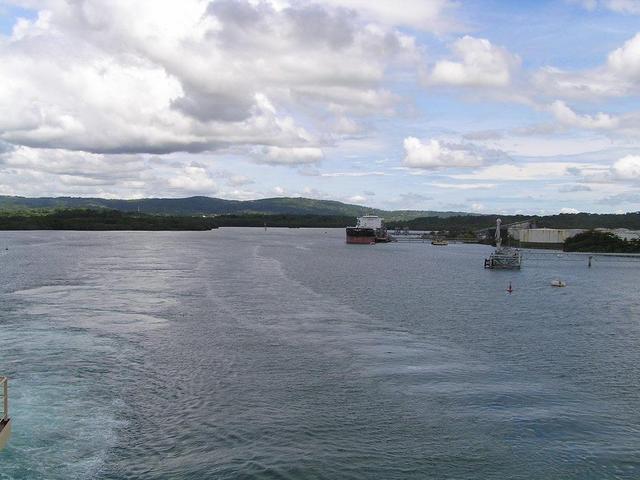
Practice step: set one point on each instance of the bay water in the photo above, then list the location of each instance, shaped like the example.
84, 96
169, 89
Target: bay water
287, 354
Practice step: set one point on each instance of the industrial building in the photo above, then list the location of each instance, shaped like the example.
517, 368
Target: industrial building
543, 237
526, 234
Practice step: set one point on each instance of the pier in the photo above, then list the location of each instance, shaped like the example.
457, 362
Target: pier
587, 257
420, 237
5, 421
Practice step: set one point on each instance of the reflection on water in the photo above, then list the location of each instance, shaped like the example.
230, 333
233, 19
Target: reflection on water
241, 353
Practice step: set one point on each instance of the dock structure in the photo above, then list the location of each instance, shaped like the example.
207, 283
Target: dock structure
5, 421
503, 258
587, 257
428, 237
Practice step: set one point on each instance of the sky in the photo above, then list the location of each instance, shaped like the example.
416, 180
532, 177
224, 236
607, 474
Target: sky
480, 106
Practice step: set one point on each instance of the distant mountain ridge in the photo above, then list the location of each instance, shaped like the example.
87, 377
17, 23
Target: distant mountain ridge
200, 205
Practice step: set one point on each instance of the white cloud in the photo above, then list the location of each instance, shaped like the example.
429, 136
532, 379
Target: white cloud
288, 155
357, 199
464, 186
239, 180
624, 6
353, 174
432, 15
481, 64
193, 179
435, 155
625, 61
628, 197
573, 188
569, 210
620, 6
588, 4
627, 168
346, 126
526, 171
156, 77
240, 194
77, 164
566, 116
618, 76
52, 172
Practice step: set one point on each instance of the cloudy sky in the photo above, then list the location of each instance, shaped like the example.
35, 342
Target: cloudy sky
487, 106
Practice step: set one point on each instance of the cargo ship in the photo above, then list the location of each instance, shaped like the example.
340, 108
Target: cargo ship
369, 229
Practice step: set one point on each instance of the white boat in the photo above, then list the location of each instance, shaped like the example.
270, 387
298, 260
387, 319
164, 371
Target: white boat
5, 421
503, 257
558, 283
439, 242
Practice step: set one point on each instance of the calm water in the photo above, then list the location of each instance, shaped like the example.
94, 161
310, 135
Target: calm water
240, 354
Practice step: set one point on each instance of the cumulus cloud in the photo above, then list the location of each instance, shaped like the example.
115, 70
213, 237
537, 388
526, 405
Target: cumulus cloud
433, 15
625, 61
618, 76
569, 210
357, 199
77, 164
567, 117
40, 172
479, 63
435, 155
193, 179
157, 77
627, 168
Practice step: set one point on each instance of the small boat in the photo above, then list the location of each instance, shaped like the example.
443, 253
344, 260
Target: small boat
509, 288
558, 283
439, 242
5, 421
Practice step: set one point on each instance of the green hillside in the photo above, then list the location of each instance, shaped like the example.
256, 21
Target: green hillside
216, 206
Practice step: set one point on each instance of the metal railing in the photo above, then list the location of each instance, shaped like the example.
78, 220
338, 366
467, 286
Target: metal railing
4, 391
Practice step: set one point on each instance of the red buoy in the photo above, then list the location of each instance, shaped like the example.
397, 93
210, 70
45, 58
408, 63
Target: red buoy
510, 289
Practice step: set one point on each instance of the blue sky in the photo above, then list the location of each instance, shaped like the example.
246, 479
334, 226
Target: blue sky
484, 106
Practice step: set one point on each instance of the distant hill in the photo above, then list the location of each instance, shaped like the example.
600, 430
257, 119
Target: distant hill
217, 206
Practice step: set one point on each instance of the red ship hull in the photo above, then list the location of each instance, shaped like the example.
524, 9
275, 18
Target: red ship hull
361, 240
361, 236
366, 236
